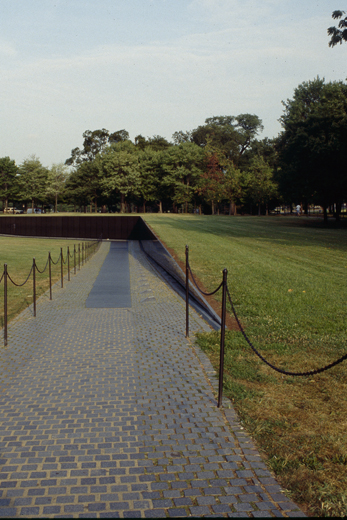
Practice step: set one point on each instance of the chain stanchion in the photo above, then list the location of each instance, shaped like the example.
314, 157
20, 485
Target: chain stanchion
74, 258
5, 305
187, 291
34, 286
50, 274
222, 337
61, 267
82, 252
79, 257
68, 263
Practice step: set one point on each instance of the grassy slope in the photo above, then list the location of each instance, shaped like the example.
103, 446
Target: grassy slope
18, 253
287, 278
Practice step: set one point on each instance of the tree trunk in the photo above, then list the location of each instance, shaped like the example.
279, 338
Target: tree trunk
230, 207
144, 206
200, 210
338, 211
160, 207
325, 214
267, 209
56, 203
32, 205
213, 207
258, 210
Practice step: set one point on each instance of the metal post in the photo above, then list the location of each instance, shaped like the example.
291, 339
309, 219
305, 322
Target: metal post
50, 274
79, 256
68, 263
34, 286
187, 292
82, 252
5, 305
74, 258
222, 337
61, 267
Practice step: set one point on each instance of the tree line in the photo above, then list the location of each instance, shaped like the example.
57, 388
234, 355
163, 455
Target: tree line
221, 166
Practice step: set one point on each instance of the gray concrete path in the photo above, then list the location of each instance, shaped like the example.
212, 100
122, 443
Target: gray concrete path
112, 413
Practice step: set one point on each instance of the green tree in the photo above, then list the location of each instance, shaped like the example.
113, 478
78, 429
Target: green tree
232, 186
182, 167
33, 178
232, 135
338, 34
95, 142
211, 186
8, 180
120, 171
57, 177
150, 187
259, 183
312, 150
84, 185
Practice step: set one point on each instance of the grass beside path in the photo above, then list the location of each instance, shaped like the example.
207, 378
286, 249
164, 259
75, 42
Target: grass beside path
287, 277
18, 253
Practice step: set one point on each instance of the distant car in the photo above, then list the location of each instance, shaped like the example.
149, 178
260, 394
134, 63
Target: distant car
36, 210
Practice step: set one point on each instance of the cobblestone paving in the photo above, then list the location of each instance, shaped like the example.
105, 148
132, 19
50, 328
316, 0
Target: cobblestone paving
112, 413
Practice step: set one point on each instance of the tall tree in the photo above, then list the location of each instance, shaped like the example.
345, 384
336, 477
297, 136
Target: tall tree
233, 135
150, 186
57, 177
338, 34
211, 185
120, 171
8, 180
312, 148
33, 178
259, 183
95, 142
182, 167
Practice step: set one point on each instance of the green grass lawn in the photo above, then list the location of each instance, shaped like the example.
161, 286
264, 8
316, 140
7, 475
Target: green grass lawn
18, 254
287, 277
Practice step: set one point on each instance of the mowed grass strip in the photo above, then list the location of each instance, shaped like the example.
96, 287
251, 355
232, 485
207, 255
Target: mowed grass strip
287, 277
18, 254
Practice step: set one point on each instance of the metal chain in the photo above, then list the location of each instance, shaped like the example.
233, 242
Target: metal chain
55, 263
281, 371
20, 284
41, 272
196, 285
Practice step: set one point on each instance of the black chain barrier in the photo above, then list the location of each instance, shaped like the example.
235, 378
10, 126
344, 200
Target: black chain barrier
34, 268
198, 288
41, 272
226, 291
55, 263
20, 284
280, 370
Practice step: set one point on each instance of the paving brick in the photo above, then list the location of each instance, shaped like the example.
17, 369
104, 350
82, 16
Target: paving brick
109, 412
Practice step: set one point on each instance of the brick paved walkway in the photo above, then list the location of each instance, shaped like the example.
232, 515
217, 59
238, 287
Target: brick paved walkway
110, 413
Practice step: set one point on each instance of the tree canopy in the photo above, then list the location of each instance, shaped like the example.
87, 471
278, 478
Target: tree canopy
312, 146
338, 34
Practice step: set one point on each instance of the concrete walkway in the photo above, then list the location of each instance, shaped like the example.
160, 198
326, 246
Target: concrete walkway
112, 413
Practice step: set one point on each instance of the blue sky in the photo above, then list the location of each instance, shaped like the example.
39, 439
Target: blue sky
152, 66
